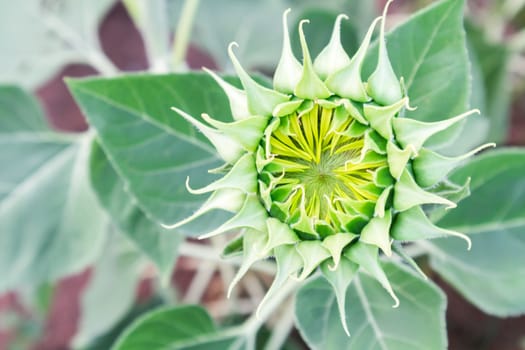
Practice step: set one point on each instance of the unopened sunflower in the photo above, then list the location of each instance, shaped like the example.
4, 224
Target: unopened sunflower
323, 170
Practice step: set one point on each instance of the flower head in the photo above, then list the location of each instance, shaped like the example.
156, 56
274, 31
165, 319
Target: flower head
323, 170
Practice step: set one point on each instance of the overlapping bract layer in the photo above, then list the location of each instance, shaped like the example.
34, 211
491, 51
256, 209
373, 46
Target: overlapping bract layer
320, 179
322, 170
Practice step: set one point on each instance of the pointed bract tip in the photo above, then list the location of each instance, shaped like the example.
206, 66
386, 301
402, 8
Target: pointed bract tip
408, 107
451, 205
469, 242
230, 290
288, 71
285, 25
333, 56
303, 21
383, 84
345, 328
179, 111
346, 81
302, 37
170, 227
188, 184
310, 86
237, 97
396, 301
261, 100
385, 10
340, 17
405, 94
383, 21
231, 45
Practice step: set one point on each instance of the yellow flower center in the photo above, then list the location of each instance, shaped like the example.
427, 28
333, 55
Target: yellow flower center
318, 169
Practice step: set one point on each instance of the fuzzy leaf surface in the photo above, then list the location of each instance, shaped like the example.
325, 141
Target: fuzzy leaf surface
492, 274
418, 323
151, 147
493, 61
48, 35
181, 327
159, 245
50, 222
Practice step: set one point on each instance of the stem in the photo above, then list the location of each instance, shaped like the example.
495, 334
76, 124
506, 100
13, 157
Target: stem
511, 8
282, 328
252, 324
227, 272
102, 63
204, 252
156, 40
93, 55
415, 250
243, 306
183, 31
430, 248
517, 41
199, 282
253, 286
517, 65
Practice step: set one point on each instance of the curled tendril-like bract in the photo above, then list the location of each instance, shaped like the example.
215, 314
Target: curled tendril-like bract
322, 170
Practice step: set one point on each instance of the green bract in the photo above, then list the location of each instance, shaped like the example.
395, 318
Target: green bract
323, 170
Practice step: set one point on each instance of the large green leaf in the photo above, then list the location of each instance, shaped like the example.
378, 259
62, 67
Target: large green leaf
151, 147
20, 112
476, 127
429, 52
492, 274
497, 200
159, 244
418, 323
104, 303
50, 222
22, 123
181, 327
189, 327
493, 61
38, 37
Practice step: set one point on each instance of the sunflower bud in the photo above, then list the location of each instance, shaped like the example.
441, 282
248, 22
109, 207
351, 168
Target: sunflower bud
322, 170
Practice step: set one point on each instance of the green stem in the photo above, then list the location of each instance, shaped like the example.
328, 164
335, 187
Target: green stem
205, 252
101, 63
517, 41
182, 33
282, 328
226, 271
511, 8
430, 248
200, 282
252, 324
415, 250
90, 52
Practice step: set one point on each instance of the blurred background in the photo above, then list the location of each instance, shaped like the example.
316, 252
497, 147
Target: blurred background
43, 41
